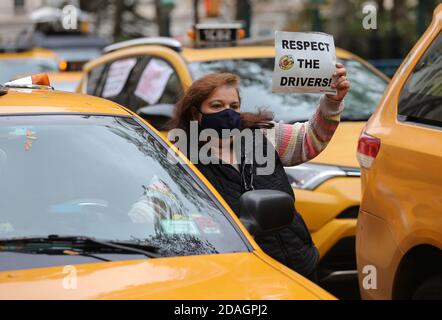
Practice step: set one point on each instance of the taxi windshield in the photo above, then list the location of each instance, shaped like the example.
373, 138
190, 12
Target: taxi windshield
108, 178
12, 69
367, 89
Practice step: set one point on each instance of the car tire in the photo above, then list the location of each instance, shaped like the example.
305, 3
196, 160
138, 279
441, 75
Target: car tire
430, 289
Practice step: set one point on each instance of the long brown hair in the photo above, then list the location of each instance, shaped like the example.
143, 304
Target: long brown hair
200, 90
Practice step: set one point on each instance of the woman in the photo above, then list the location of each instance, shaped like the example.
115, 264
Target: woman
214, 103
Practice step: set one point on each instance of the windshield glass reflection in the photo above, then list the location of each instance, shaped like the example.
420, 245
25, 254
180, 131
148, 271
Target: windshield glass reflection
103, 177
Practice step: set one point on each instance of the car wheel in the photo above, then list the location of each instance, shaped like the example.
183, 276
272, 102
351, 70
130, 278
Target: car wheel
430, 289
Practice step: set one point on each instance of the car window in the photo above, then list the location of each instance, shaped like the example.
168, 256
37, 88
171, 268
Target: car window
140, 83
93, 79
108, 178
421, 98
12, 69
256, 76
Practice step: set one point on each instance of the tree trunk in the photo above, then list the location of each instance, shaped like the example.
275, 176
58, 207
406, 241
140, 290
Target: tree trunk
339, 22
196, 18
118, 17
244, 14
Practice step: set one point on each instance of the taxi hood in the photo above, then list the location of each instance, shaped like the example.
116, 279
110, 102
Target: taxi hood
221, 276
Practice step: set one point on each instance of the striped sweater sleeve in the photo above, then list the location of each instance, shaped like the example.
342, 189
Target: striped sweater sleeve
302, 141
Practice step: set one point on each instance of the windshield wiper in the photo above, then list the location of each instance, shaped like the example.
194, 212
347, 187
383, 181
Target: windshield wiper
87, 244
293, 121
343, 118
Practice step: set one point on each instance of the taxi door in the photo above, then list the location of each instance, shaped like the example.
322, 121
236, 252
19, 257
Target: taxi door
147, 79
408, 126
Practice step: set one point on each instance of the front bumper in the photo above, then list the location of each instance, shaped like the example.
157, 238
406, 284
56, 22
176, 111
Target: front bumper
323, 207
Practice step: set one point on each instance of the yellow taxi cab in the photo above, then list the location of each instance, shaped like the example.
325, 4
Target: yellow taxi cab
399, 234
15, 64
96, 205
149, 75
71, 48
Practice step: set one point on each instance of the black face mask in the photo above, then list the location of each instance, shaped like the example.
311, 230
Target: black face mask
226, 119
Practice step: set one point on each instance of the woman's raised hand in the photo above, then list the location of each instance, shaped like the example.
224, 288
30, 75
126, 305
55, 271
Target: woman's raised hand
341, 83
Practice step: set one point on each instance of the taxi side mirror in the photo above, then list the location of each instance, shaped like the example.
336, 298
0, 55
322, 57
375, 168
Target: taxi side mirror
263, 211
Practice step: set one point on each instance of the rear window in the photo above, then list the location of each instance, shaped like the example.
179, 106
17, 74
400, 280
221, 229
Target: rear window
145, 84
421, 98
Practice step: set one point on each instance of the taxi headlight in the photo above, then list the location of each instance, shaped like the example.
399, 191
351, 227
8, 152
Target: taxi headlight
309, 176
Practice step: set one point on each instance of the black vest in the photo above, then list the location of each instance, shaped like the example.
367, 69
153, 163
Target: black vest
292, 246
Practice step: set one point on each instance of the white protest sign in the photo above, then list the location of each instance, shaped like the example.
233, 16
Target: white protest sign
117, 76
153, 81
304, 62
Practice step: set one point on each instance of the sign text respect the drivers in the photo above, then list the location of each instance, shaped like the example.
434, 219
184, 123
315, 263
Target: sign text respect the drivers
304, 62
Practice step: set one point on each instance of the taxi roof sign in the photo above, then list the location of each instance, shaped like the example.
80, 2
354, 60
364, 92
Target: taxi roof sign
35, 81
217, 34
